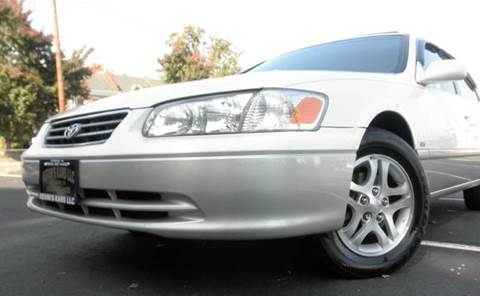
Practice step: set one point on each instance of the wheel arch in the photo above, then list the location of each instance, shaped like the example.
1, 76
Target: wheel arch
395, 123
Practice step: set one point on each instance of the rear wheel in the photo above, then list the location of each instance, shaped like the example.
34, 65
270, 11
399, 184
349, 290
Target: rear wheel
387, 209
472, 198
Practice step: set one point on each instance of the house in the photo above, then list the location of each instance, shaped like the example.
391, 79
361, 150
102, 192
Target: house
103, 84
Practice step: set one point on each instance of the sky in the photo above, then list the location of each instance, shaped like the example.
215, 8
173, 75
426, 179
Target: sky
128, 36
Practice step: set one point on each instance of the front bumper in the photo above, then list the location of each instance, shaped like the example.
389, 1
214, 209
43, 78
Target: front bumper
246, 186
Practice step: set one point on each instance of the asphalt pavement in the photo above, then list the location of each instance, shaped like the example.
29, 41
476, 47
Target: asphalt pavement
40, 255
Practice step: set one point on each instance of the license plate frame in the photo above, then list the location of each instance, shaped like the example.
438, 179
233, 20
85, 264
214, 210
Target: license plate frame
59, 180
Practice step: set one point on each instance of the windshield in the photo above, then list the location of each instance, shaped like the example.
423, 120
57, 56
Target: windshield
377, 54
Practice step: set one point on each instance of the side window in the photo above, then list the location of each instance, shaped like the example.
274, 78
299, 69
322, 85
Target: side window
430, 55
465, 89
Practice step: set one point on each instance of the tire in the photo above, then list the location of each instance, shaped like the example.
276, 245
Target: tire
374, 255
137, 233
472, 198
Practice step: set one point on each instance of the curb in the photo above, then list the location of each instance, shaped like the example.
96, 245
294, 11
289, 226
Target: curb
10, 175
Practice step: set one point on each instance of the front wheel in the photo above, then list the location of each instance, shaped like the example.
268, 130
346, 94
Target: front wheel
387, 209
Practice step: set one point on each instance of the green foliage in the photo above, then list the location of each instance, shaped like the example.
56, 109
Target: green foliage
75, 73
222, 59
27, 75
192, 56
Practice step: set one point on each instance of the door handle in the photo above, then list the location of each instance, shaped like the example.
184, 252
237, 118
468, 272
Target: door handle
466, 117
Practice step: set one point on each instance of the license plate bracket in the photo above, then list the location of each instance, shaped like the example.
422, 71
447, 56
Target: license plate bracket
59, 181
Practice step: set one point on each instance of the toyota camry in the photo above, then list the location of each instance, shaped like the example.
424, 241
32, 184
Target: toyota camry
344, 142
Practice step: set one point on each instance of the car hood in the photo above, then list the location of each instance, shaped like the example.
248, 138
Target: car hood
272, 79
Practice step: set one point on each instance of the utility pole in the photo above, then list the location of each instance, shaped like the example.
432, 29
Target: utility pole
58, 60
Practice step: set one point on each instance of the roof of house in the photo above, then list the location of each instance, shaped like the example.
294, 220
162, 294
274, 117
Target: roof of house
109, 83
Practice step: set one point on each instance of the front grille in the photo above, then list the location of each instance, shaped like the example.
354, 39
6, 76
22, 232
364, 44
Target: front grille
89, 129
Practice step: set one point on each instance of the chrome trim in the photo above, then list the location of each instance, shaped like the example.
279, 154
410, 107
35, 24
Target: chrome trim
102, 123
160, 206
88, 125
75, 145
82, 135
57, 129
93, 115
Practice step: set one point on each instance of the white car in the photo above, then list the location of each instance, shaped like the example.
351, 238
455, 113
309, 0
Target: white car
345, 142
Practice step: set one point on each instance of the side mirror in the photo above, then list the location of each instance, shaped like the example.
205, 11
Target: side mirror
444, 70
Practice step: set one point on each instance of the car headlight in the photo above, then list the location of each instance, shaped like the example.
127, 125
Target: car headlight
252, 111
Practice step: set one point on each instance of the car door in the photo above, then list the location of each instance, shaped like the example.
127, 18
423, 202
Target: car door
467, 90
451, 130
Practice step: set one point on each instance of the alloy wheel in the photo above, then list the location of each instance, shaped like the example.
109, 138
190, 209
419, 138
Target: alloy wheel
380, 206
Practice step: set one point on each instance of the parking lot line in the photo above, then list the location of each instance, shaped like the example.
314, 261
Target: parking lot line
451, 199
452, 246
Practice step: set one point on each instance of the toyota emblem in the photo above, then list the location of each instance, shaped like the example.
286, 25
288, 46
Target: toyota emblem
72, 130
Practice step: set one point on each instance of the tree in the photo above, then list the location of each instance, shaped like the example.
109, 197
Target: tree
192, 56
27, 75
222, 59
75, 73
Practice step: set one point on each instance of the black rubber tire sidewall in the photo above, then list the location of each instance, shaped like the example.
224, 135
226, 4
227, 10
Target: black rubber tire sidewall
472, 198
